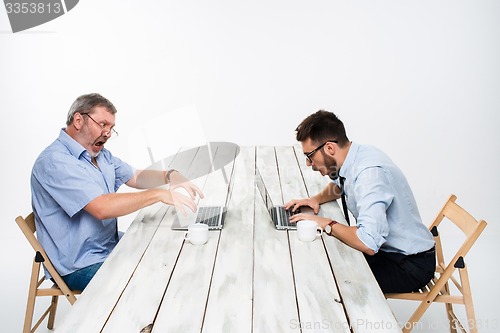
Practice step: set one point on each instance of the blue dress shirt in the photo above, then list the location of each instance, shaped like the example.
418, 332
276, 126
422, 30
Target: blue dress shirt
379, 197
63, 181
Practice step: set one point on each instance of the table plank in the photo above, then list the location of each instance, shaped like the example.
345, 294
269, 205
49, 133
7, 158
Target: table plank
275, 305
183, 307
114, 275
229, 307
314, 282
291, 182
140, 301
191, 278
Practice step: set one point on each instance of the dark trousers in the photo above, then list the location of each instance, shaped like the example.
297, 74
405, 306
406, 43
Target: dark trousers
399, 273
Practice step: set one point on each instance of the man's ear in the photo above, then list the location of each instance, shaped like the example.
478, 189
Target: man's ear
330, 148
78, 120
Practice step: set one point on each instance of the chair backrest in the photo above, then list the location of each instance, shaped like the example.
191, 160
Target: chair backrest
28, 227
471, 228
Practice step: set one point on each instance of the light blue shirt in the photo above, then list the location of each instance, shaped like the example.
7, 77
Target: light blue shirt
379, 197
63, 181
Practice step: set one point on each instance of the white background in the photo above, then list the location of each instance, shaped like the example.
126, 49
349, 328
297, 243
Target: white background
418, 79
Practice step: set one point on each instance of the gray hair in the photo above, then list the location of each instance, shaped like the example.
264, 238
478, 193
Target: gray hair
86, 103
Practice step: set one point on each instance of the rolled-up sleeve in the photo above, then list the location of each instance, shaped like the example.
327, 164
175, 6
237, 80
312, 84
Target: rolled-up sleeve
374, 196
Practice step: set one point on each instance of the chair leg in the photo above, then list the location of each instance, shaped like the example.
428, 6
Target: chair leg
467, 294
451, 318
407, 328
30, 305
415, 317
449, 310
52, 314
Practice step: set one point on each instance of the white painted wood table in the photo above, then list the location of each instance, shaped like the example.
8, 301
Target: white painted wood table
249, 277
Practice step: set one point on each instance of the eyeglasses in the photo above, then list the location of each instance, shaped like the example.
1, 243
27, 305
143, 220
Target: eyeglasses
311, 153
112, 132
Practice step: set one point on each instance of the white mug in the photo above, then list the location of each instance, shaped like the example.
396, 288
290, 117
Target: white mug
197, 233
308, 230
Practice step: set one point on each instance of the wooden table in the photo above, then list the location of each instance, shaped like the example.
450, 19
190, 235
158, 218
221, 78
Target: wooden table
249, 277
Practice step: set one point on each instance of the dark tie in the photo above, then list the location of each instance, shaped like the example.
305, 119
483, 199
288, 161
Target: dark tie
344, 205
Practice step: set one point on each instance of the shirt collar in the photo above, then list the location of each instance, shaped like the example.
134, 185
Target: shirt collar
349, 160
75, 148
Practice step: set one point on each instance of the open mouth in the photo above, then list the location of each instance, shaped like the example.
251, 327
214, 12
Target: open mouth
99, 142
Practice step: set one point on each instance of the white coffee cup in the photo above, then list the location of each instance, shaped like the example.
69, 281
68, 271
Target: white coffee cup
308, 230
197, 233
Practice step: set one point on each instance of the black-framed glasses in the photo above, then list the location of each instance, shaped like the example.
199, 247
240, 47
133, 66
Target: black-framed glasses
111, 130
311, 153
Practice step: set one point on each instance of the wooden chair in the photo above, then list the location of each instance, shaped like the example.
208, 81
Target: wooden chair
438, 290
35, 290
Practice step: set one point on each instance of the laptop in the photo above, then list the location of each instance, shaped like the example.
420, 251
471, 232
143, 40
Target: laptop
213, 216
279, 215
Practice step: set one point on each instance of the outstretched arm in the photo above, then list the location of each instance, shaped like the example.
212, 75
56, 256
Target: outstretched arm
118, 204
146, 179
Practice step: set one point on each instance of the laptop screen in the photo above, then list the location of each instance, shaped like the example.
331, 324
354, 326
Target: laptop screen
211, 215
263, 191
187, 218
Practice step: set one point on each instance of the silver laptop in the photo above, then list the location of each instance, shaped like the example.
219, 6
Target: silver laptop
279, 215
211, 215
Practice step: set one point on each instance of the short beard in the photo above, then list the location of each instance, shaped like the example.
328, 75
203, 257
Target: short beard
93, 155
330, 166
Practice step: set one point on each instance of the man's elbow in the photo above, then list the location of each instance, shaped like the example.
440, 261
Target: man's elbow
361, 246
97, 208
368, 251
99, 214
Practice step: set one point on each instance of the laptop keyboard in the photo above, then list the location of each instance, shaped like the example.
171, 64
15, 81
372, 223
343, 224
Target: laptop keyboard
208, 215
284, 216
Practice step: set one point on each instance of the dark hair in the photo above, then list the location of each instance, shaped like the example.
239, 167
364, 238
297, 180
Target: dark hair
322, 126
85, 104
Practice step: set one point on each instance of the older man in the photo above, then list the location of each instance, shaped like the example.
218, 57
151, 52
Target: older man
74, 183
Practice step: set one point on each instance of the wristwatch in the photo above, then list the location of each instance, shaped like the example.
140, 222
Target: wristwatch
167, 175
328, 228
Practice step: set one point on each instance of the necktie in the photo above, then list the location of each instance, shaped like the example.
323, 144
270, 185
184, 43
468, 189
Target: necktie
344, 205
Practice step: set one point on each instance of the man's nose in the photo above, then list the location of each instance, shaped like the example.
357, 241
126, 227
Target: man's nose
106, 133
